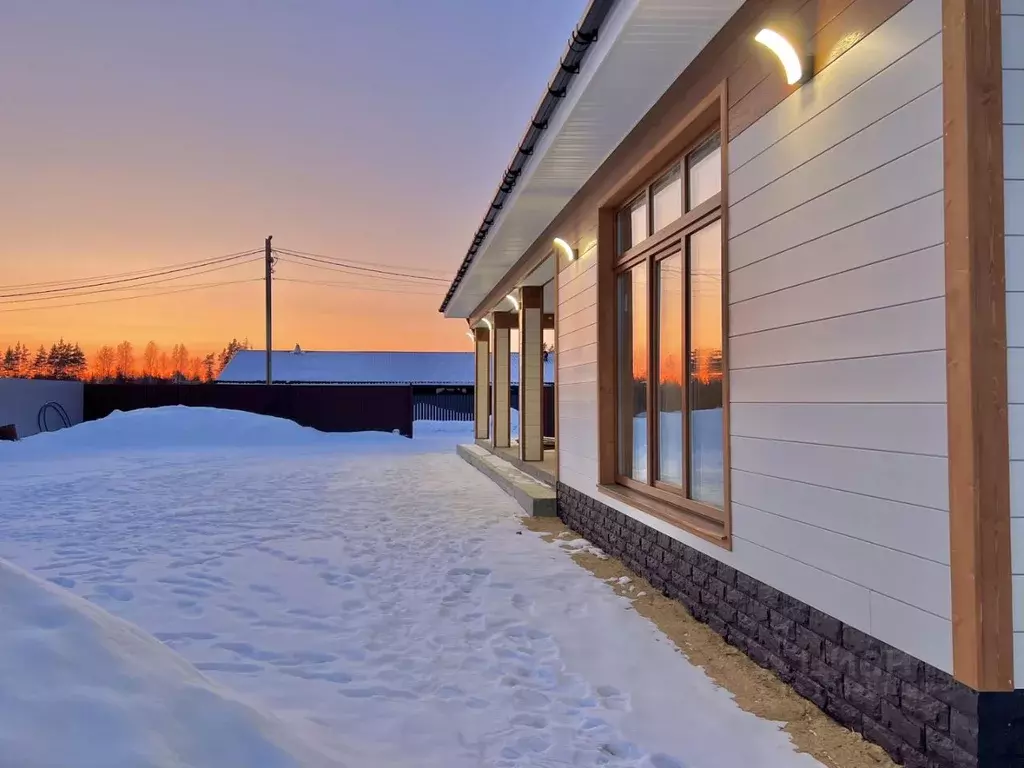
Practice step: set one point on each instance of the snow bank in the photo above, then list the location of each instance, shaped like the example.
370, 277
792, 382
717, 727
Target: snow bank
180, 426
83, 688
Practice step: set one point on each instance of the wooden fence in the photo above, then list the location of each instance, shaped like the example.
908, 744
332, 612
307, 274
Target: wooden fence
357, 408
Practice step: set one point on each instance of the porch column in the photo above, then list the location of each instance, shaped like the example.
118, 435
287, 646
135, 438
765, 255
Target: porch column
481, 383
531, 373
501, 337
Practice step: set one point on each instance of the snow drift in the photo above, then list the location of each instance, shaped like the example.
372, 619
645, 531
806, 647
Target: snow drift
83, 688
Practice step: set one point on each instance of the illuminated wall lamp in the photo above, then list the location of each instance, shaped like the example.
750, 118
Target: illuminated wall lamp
565, 248
797, 70
514, 300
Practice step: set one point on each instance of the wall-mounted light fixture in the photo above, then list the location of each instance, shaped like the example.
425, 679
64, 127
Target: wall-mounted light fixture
798, 70
565, 248
515, 302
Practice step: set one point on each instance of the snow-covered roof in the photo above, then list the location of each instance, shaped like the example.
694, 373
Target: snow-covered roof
434, 368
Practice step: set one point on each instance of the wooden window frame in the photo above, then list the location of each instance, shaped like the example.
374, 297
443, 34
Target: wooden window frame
662, 500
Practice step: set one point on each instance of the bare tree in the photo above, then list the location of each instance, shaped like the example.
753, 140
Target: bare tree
151, 361
125, 362
104, 365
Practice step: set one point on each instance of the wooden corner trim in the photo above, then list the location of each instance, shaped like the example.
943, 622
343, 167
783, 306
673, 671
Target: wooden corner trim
978, 433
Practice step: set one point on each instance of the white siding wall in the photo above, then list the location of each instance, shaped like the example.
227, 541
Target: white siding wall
21, 399
1013, 148
837, 339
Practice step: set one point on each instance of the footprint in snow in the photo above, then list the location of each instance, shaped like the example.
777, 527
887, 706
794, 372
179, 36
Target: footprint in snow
114, 592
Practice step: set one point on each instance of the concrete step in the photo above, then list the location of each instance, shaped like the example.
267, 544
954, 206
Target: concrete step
535, 497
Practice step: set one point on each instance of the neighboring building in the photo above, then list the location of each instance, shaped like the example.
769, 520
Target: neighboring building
790, 333
441, 369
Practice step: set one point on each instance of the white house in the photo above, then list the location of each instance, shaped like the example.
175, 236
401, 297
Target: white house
782, 244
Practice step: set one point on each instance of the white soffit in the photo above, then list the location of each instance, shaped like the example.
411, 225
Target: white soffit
643, 46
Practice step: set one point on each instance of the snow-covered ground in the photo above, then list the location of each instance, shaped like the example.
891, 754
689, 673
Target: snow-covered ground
373, 592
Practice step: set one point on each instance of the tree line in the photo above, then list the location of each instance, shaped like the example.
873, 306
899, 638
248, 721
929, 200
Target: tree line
67, 361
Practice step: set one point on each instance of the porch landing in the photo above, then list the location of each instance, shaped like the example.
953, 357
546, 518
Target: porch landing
535, 497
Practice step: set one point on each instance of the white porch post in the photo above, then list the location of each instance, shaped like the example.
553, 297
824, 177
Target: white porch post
501, 344
531, 373
481, 383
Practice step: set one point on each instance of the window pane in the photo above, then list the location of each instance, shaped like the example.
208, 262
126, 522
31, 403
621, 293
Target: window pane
668, 199
632, 224
670, 370
707, 458
704, 172
632, 373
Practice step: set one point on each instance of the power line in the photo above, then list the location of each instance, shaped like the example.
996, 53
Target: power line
186, 289
357, 269
158, 281
440, 273
401, 281
117, 275
219, 260
356, 286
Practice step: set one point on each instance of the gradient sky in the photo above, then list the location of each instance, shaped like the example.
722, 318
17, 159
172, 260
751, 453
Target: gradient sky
143, 133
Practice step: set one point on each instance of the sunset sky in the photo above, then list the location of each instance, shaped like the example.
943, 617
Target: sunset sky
144, 134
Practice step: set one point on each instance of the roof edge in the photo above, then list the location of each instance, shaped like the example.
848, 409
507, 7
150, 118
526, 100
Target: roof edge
583, 36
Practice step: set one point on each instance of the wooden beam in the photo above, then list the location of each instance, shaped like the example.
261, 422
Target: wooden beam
979, 486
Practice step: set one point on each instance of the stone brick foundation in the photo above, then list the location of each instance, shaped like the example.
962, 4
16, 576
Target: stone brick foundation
919, 714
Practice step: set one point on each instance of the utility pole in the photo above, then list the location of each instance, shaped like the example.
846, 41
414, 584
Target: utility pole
270, 308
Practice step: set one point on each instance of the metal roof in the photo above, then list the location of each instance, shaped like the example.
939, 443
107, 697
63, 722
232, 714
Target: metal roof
430, 368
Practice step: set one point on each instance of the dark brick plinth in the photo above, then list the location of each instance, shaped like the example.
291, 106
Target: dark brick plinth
918, 714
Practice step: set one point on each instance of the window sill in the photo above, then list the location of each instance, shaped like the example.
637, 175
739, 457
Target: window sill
674, 514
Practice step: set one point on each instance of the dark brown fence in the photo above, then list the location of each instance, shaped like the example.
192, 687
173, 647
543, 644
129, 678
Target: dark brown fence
362, 408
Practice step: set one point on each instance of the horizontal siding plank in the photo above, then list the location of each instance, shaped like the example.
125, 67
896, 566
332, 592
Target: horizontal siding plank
1017, 545
920, 480
912, 227
580, 281
899, 427
576, 339
1015, 416
1013, 41
579, 355
917, 327
1018, 655
576, 373
921, 583
1016, 487
1013, 96
1015, 319
585, 317
912, 277
1015, 263
1013, 147
908, 128
1015, 376
918, 377
581, 467
908, 29
1018, 603
920, 531
913, 176
579, 410
577, 303
584, 393
1015, 207
911, 76
922, 635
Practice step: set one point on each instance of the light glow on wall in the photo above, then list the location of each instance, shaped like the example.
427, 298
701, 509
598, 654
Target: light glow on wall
515, 302
488, 324
785, 52
565, 248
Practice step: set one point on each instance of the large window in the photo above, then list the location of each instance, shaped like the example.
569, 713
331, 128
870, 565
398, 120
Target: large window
670, 404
